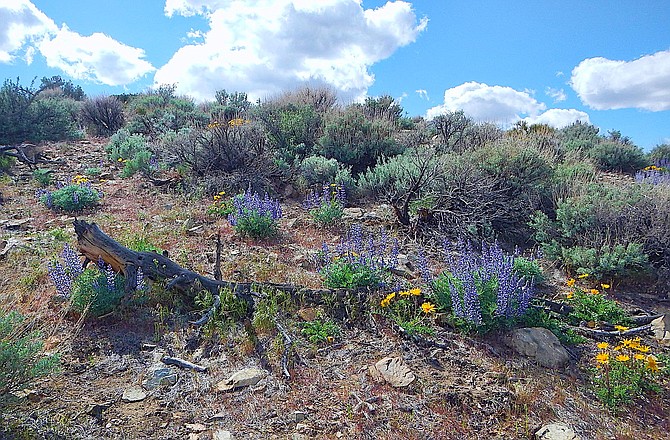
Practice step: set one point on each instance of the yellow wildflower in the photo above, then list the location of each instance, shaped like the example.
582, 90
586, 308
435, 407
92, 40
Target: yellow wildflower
404, 293
652, 365
385, 302
330, 339
570, 282
222, 193
639, 356
623, 358
120, 159
603, 345
628, 343
603, 358
642, 348
595, 291
217, 197
605, 286
428, 307
571, 295
582, 276
621, 328
416, 291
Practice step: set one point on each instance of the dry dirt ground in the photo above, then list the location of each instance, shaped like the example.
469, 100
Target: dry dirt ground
470, 387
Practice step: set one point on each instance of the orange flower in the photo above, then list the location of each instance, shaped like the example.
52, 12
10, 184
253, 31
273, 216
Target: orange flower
595, 291
652, 365
570, 282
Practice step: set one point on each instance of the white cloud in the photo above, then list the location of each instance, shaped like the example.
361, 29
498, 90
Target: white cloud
423, 94
559, 117
22, 24
266, 46
96, 57
605, 84
498, 104
558, 95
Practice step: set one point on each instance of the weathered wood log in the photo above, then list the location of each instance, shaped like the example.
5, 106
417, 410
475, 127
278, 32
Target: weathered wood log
595, 333
181, 363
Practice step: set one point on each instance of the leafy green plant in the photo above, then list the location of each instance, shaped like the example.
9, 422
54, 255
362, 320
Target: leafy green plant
342, 274
320, 330
93, 171
43, 176
131, 150
409, 310
230, 311
6, 162
71, 198
21, 360
593, 306
624, 373
221, 206
326, 207
97, 292
616, 156
254, 216
529, 269
537, 317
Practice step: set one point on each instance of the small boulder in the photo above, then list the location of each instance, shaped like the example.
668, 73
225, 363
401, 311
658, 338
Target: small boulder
133, 395
556, 431
160, 377
539, 344
352, 213
661, 328
243, 378
394, 371
221, 434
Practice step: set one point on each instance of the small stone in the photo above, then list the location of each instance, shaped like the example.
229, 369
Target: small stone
395, 372
556, 431
221, 434
196, 427
540, 344
160, 377
297, 436
243, 378
352, 213
661, 328
299, 416
133, 395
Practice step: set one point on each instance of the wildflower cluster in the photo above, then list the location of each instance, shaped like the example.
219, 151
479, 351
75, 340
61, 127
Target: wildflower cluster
624, 372
237, 122
255, 216
481, 291
98, 290
71, 197
408, 309
359, 260
591, 305
656, 174
220, 206
326, 206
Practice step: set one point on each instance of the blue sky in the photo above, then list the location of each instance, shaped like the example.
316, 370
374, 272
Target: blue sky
606, 62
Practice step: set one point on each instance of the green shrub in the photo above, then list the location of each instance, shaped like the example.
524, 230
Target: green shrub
28, 116
356, 141
593, 306
615, 156
231, 311
43, 176
21, 361
318, 170
409, 310
341, 274
131, 150
658, 153
6, 163
97, 291
71, 198
103, 115
607, 261
529, 269
320, 330
254, 216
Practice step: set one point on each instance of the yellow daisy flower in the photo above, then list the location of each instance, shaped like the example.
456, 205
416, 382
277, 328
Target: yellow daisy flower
603, 358
415, 292
623, 358
603, 345
428, 308
570, 282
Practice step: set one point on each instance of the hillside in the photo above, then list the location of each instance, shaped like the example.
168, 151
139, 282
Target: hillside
466, 385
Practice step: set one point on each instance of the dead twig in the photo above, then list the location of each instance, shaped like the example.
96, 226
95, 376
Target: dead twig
181, 363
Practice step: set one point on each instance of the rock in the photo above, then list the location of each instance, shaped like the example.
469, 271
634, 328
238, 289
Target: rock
299, 416
7, 245
221, 434
133, 395
661, 328
160, 377
307, 314
243, 378
539, 344
17, 224
291, 222
371, 216
395, 372
297, 436
556, 431
196, 427
352, 213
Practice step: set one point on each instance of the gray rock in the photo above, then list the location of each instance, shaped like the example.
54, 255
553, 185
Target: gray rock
299, 416
243, 378
661, 328
159, 377
133, 395
556, 431
352, 213
395, 372
539, 344
221, 434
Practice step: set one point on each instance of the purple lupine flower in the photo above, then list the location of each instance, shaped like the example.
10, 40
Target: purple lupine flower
72, 262
61, 279
141, 284
424, 270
